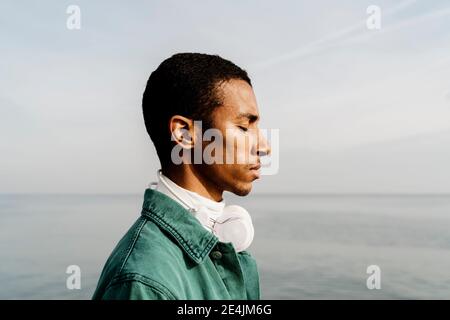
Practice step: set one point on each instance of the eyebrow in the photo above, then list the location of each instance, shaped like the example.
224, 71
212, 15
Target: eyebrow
250, 116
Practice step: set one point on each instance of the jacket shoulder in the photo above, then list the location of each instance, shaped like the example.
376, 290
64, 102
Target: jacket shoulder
144, 260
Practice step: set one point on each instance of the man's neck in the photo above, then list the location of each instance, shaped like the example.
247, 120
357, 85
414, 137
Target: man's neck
186, 177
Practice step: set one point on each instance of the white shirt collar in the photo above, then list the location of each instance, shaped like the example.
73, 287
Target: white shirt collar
214, 208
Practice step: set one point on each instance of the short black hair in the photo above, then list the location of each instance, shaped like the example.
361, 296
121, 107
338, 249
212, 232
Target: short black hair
185, 84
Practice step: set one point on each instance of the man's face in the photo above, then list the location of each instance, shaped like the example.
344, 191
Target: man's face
243, 144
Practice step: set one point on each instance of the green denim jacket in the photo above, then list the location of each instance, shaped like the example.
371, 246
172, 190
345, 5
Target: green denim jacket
168, 254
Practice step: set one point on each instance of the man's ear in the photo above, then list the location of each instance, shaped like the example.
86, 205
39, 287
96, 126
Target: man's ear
182, 131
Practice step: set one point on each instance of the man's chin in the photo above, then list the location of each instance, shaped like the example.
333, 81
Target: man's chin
242, 190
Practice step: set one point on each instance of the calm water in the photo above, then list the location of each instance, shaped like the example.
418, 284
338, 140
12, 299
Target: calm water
307, 247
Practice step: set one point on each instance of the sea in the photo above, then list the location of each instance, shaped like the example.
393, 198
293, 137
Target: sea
307, 246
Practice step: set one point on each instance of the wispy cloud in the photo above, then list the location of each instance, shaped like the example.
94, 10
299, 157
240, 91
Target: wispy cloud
351, 32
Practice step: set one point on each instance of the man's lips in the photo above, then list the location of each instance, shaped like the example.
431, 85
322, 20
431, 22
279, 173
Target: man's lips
255, 170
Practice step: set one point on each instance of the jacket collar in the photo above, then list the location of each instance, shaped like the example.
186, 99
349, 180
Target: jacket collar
170, 216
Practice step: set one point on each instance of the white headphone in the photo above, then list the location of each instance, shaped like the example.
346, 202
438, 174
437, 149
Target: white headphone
233, 225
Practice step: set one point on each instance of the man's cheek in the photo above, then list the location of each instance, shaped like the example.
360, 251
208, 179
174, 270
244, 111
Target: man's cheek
243, 146
235, 151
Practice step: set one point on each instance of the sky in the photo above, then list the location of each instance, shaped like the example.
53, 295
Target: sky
358, 110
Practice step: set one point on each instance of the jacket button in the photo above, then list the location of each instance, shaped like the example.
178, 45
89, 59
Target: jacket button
216, 254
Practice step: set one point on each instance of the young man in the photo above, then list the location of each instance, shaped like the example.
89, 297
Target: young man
187, 244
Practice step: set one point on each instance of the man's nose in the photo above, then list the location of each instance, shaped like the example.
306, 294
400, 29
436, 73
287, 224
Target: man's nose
263, 145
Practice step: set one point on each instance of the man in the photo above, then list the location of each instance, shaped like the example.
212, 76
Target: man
187, 244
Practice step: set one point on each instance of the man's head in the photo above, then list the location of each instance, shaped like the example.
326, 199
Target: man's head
190, 87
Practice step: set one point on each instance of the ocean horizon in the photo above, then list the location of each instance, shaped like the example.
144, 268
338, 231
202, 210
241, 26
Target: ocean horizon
307, 246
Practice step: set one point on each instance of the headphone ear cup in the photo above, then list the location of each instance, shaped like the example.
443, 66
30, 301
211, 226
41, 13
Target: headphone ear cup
237, 211
235, 226
202, 216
